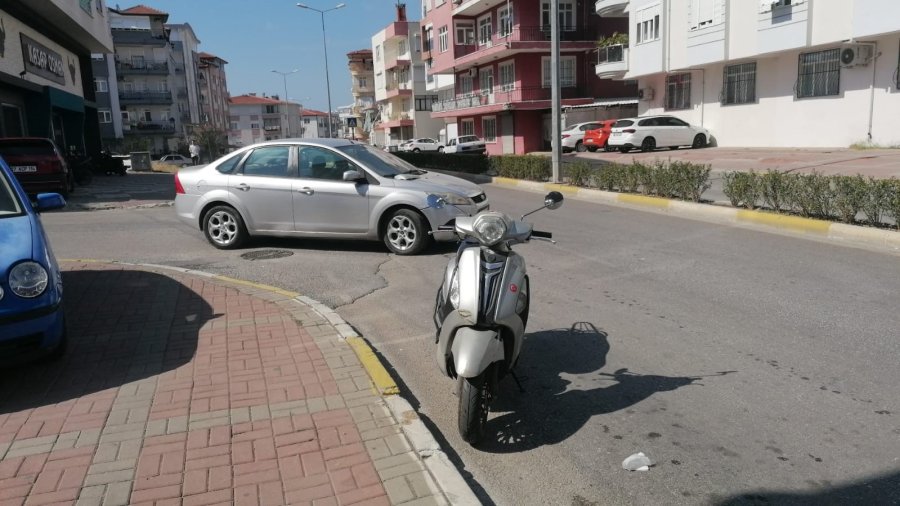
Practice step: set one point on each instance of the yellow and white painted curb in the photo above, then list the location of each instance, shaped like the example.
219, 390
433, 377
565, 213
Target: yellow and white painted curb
763, 220
455, 488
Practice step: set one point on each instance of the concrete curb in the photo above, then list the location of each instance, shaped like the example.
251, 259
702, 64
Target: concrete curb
444, 473
763, 220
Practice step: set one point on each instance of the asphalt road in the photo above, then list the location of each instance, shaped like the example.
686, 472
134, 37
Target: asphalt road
750, 367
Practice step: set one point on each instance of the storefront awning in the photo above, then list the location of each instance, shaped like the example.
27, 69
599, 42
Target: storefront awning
65, 100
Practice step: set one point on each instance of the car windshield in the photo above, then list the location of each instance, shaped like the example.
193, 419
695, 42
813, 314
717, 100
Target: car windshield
382, 163
623, 123
25, 148
468, 138
9, 201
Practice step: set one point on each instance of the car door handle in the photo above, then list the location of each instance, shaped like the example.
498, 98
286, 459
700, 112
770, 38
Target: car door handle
305, 190
244, 187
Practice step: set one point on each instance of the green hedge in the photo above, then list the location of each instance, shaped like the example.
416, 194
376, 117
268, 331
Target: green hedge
668, 179
815, 195
470, 164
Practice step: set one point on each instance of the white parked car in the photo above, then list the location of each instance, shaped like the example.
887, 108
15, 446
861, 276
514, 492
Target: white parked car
177, 160
423, 144
465, 144
573, 136
651, 132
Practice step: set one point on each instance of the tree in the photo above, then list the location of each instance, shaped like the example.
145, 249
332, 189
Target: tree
211, 140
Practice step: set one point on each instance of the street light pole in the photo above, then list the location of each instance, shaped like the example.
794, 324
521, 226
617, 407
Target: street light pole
555, 112
286, 113
325, 47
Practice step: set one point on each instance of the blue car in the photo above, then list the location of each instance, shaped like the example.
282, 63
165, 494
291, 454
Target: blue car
31, 314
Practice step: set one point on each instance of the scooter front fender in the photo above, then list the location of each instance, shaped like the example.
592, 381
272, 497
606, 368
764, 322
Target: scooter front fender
474, 350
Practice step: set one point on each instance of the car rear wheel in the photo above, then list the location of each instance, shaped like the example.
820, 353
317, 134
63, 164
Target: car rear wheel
417, 150
648, 145
699, 141
405, 232
224, 228
580, 147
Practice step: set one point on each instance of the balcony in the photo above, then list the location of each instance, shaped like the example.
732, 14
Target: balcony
528, 98
362, 90
474, 7
519, 39
272, 128
612, 62
145, 97
159, 68
396, 119
149, 127
396, 29
612, 8
398, 89
396, 61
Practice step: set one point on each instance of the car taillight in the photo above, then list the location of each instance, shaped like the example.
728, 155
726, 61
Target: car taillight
566, 136
179, 190
629, 131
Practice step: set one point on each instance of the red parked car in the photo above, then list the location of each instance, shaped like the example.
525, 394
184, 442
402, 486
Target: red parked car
596, 139
37, 164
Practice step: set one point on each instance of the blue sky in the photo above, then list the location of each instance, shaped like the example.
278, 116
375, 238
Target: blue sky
256, 36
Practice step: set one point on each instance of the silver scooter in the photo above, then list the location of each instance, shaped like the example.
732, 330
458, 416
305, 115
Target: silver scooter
482, 306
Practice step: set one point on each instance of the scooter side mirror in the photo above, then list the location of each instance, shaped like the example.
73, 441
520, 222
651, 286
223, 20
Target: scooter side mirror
553, 200
435, 201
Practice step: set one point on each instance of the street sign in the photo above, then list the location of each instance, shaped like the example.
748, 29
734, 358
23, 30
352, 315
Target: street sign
351, 122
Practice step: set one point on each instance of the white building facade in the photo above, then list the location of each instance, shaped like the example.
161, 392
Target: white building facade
782, 73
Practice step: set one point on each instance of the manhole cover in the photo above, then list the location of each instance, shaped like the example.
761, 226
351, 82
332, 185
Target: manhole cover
266, 254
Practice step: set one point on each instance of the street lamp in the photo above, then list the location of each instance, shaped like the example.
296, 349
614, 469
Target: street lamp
286, 113
325, 46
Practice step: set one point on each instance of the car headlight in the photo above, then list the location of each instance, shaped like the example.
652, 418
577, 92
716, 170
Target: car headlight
489, 229
454, 199
28, 279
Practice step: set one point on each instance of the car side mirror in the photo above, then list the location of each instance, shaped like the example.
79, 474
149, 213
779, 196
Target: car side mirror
49, 202
353, 176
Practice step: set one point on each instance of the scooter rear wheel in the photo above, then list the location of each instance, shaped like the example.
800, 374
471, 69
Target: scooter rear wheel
475, 396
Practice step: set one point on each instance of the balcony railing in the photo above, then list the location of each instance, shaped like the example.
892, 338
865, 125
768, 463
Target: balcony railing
528, 94
144, 67
146, 97
612, 61
397, 116
397, 86
528, 34
611, 8
271, 128
144, 127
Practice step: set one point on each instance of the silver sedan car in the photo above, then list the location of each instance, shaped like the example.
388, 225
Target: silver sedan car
330, 188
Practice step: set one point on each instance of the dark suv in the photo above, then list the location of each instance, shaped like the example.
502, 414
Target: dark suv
37, 164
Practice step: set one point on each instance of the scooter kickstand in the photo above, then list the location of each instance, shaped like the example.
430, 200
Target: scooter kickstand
518, 383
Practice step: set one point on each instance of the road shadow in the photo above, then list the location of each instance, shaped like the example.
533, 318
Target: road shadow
552, 408
883, 489
123, 326
340, 245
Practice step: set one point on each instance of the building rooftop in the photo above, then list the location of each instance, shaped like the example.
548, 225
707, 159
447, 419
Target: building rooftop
253, 100
142, 10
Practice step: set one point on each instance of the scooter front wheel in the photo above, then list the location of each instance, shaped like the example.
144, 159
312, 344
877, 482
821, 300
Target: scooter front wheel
475, 396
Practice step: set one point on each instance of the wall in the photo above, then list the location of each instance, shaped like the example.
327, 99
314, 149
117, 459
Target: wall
874, 17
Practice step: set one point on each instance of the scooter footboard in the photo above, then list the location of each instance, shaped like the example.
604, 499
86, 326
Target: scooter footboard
474, 350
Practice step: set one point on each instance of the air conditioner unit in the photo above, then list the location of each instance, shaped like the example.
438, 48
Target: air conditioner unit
645, 94
854, 54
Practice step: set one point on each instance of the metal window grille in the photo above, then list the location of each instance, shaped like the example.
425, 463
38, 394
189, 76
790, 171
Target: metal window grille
819, 74
489, 129
678, 91
739, 86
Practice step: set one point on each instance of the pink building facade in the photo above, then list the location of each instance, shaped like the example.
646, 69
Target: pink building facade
499, 54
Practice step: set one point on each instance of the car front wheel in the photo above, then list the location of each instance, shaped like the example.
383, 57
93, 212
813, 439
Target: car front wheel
441, 149
699, 141
648, 145
224, 228
405, 232
580, 147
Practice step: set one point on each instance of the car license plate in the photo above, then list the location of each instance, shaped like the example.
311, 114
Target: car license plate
589, 141
24, 168
616, 134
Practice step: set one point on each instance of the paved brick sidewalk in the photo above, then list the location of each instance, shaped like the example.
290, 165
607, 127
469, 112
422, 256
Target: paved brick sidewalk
181, 389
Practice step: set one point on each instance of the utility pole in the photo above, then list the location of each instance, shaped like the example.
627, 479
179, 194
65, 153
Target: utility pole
325, 47
287, 113
555, 112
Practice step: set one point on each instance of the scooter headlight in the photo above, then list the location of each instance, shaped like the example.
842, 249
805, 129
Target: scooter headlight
454, 290
489, 229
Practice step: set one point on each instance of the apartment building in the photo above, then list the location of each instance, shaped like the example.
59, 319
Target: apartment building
403, 103
213, 91
185, 53
362, 78
315, 124
255, 119
806, 73
47, 84
498, 54
440, 85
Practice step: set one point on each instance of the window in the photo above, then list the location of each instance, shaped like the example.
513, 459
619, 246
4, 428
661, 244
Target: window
486, 80
98, 56
704, 13
270, 161
504, 21
489, 128
146, 115
423, 103
739, 86
362, 82
678, 91
12, 125
402, 47
234, 125
566, 71
466, 84
255, 126
104, 116
321, 163
378, 53
228, 166
271, 109
467, 127
485, 30
819, 74
465, 33
507, 75
647, 29
442, 39
100, 85
567, 17
429, 39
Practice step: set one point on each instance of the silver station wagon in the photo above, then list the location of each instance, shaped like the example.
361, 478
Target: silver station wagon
330, 188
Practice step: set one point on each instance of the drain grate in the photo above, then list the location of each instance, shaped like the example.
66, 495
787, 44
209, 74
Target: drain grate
266, 254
